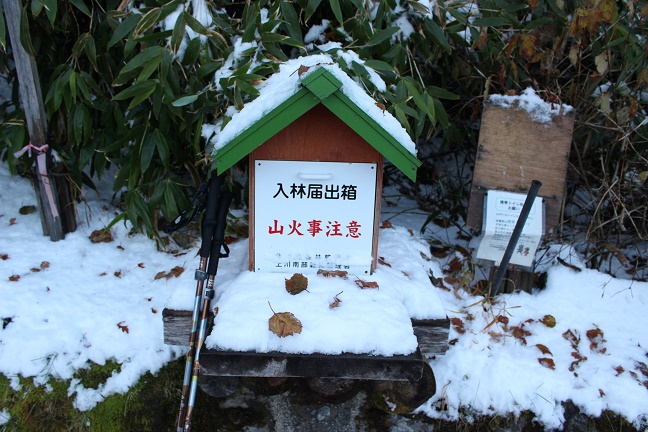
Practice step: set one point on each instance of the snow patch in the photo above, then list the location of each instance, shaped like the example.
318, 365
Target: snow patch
539, 110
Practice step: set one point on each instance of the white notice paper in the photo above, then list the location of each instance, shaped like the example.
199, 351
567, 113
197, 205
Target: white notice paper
501, 215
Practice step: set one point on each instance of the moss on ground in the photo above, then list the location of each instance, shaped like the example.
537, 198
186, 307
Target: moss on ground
152, 405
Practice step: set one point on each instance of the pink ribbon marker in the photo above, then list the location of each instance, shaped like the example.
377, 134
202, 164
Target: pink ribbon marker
41, 161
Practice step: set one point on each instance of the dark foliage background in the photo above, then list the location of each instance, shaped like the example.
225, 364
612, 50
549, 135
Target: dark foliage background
130, 85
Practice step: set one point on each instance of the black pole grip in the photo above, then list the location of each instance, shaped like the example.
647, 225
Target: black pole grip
210, 216
218, 239
515, 236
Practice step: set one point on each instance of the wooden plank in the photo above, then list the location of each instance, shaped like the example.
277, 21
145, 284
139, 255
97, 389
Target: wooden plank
177, 326
513, 150
432, 335
32, 101
349, 366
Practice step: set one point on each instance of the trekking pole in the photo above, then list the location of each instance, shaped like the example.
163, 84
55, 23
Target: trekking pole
218, 242
208, 227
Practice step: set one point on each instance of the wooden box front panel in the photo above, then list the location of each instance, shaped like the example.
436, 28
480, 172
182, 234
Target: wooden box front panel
317, 136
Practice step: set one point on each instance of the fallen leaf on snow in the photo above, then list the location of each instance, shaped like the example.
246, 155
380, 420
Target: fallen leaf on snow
336, 301
333, 273
25, 210
284, 324
4, 257
297, 284
364, 284
122, 327
543, 349
14, 278
547, 362
175, 271
101, 236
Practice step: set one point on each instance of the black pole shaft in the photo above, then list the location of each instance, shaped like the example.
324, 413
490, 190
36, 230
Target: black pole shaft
515, 236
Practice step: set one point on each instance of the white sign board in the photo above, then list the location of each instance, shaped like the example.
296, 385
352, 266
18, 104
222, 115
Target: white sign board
500, 216
313, 215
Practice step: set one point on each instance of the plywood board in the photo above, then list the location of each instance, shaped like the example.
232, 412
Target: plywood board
513, 150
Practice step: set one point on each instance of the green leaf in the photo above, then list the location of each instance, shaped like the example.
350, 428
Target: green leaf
194, 24
124, 28
36, 7
139, 92
79, 4
179, 30
184, 100
437, 34
50, 9
492, 22
148, 150
3, 30
192, 52
149, 68
379, 65
311, 7
272, 37
292, 20
162, 147
147, 21
382, 36
142, 58
25, 38
441, 93
337, 11
73, 85
78, 123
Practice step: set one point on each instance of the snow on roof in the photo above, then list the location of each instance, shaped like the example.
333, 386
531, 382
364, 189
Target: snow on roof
539, 110
287, 81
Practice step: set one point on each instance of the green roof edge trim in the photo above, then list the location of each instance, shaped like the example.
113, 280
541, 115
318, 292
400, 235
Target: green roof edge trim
261, 131
319, 86
373, 133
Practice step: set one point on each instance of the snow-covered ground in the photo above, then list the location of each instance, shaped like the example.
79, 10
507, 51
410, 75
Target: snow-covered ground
66, 304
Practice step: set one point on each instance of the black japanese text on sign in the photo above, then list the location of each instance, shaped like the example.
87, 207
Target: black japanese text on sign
314, 209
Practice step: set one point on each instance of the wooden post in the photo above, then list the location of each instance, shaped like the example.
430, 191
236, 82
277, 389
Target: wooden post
32, 100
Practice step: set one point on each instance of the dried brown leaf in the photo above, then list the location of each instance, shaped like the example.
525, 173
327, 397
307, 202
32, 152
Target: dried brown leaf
45, 265
336, 301
284, 324
381, 260
302, 70
35, 269
101, 236
455, 265
596, 339
4, 257
458, 325
333, 273
364, 284
14, 278
547, 362
120, 247
579, 359
25, 210
122, 327
297, 284
12, 221
154, 310
140, 265
174, 272
601, 393
118, 273
619, 370
425, 257
103, 274
386, 224
543, 349
571, 338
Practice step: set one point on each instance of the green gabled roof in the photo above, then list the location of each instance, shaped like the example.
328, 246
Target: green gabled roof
320, 86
